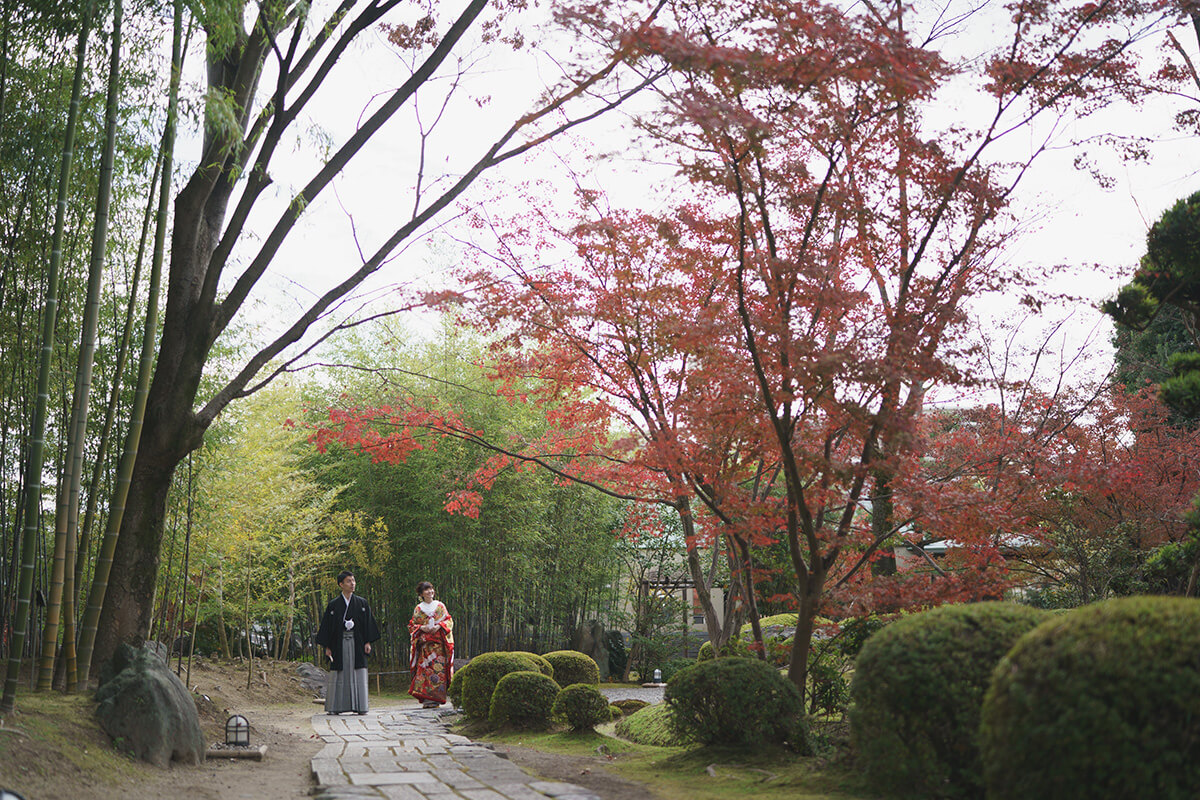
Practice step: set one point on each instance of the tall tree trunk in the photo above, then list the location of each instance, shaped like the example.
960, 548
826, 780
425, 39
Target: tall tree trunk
33, 478
62, 587
114, 397
126, 470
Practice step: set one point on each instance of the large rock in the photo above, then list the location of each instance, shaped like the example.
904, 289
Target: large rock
313, 678
147, 710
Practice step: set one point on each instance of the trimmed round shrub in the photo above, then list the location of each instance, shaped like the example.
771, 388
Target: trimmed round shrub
1101, 702
917, 691
480, 676
571, 666
736, 701
543, 664
454, 690
615, 712
523, 699
629, 705
652, 725
582, 706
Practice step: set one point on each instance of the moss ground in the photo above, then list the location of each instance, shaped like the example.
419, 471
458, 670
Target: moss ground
51, 734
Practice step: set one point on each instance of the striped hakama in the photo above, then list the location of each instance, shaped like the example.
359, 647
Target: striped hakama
347, 689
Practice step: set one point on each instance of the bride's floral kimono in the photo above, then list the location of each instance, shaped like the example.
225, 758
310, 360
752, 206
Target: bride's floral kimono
431, 653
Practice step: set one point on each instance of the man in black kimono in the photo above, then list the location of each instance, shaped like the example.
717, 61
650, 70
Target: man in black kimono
346, 632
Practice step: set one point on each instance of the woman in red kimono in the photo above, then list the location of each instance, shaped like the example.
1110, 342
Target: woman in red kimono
431, 648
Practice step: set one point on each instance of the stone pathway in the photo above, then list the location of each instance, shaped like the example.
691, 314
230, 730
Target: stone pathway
408, 753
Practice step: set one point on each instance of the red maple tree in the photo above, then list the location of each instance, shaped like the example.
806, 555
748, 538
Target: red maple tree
767, 349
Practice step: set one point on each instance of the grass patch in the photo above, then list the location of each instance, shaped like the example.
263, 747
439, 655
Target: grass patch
714, 773
702, 773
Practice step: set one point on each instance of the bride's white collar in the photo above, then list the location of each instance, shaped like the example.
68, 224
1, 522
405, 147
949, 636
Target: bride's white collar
428, 608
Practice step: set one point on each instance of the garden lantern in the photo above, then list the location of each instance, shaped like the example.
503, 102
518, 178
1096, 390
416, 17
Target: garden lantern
237, 731
658, 676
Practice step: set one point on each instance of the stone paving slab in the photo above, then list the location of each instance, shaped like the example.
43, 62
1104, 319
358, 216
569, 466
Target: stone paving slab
408, 753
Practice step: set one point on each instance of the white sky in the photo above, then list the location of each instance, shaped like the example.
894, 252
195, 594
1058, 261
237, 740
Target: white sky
1077, 222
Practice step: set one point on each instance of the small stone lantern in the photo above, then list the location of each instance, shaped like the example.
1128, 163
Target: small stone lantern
237, 731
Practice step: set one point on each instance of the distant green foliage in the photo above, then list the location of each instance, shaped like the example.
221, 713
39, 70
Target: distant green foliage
652, 725
1101, 702
917, 690
483, 673
571, 666
736, 701
1141, 355
673, 666
522, 699
581, 706
1168, 568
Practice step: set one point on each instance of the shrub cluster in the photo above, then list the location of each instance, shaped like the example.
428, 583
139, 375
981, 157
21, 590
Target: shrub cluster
581, 706
1101, 702
571, 666
917, 692
736, 701
477, 680
522, 699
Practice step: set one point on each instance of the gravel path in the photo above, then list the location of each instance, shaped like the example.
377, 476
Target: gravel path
651, 694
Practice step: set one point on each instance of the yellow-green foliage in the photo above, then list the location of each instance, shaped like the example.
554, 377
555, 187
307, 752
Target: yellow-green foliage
571, 666
523, 699
1102, 702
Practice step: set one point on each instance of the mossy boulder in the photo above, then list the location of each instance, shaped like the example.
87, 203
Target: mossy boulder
147, 710
523, 699
1102, 702
629, 705
572, 666
917, 692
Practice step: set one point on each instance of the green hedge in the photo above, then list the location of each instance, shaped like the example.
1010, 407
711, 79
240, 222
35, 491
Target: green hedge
571, 666
736, 701
917, 691
581, 706
480, 675
522, 699
1102, 702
